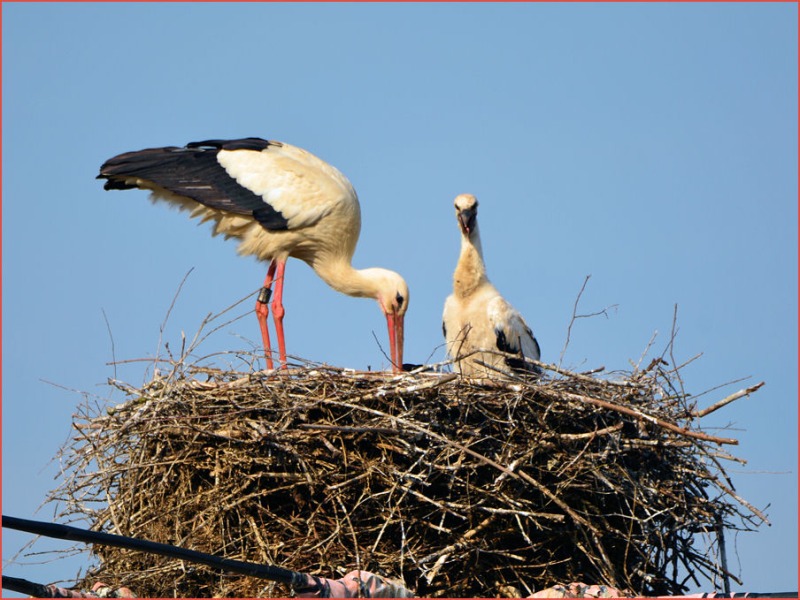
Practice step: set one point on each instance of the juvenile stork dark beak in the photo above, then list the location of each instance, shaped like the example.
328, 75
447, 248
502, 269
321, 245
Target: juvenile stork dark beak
466, 219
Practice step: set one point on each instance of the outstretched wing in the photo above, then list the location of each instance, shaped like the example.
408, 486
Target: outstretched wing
280, 186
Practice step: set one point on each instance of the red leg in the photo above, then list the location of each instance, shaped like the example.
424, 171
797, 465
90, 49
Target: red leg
262, 312
278, 312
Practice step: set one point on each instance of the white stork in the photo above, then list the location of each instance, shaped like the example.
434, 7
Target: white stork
279, 201
476, 317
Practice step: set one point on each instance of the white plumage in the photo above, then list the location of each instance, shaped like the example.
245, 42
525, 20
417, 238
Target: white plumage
279, 201
476, 317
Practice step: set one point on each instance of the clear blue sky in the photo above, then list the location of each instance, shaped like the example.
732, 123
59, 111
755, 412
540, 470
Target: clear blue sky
651, 146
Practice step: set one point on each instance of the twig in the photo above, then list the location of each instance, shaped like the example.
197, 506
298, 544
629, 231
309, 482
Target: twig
442, 555
169, 309
727, 400
576, 316
649, 418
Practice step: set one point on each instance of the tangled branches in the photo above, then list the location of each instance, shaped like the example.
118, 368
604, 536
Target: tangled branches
456, 487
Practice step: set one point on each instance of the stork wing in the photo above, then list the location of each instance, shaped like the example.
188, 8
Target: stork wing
513, 334
281, 186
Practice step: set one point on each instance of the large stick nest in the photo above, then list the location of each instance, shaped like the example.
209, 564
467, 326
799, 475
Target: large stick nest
454, 487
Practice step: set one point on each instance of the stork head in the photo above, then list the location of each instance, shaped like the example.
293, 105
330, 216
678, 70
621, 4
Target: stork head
392, 296
467, 213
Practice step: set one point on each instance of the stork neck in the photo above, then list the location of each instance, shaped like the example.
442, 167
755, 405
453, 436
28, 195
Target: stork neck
471, 271
342, 277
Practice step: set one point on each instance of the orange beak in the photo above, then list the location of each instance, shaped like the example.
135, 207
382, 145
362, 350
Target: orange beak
395, 324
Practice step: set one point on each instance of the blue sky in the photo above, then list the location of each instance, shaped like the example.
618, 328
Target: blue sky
651, 146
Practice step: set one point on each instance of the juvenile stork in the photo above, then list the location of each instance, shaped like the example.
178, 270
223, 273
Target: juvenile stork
476, 317
279, 201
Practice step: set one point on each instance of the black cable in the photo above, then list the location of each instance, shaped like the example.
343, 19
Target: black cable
65, 532
23, 586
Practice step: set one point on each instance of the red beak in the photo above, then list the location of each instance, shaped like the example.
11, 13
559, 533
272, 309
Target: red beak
395, 324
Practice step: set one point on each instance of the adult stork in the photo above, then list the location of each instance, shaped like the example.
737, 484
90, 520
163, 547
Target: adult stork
279, 201
476, 317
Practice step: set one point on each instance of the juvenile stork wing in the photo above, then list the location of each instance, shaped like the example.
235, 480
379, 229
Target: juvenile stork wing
280, 186
512, 333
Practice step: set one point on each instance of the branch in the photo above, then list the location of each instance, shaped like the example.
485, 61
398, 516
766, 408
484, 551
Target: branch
735, 396
645, 417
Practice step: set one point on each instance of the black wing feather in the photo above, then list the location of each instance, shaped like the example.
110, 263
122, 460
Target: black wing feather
503, 344
518, 364
194, 172
251, 143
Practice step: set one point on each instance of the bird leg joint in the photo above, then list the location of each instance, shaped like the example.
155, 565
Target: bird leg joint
264, 295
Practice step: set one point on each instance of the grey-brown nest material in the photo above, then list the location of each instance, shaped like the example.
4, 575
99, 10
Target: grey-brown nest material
454, 487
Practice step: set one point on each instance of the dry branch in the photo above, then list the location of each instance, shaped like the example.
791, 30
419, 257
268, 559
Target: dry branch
725, 401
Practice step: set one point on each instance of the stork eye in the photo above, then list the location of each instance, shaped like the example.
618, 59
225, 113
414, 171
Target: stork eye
399, 299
